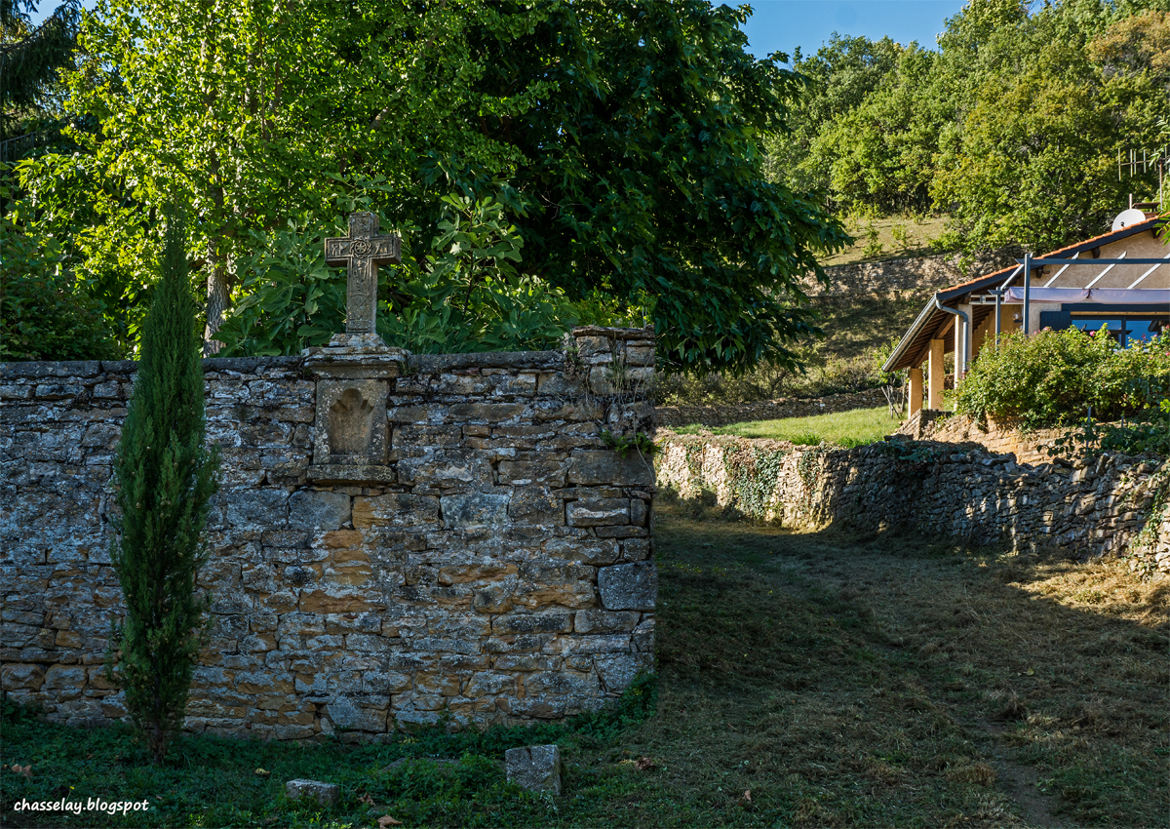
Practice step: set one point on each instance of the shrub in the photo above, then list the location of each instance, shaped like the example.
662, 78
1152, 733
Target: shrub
164, 479
43, 315
1057, 378
459, 288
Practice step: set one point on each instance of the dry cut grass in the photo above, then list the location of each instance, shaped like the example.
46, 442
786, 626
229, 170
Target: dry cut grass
889, 682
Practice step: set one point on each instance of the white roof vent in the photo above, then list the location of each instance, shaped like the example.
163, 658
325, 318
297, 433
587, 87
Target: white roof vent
1128, 217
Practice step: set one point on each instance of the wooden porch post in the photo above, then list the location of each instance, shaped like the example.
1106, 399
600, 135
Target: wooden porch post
936, 372
914, 400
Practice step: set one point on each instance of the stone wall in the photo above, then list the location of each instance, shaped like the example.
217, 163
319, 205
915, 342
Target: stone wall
1035, 446
487, 557
769, 409
902, 275
930, 488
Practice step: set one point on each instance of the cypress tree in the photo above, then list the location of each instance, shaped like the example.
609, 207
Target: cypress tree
165, 479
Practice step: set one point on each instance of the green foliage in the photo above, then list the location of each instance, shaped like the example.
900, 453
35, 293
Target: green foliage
753, 475
617, 127
465, 293
1145, 433
165, 478
638, 442
42, 314
1058, 378
428, 775
1012, 127
30, 59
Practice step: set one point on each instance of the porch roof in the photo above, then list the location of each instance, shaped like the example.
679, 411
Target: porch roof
932, 322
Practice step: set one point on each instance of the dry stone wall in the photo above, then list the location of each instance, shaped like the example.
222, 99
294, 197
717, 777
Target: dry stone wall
1110, 505
896, 276
769, 409
1034, 446
487, 559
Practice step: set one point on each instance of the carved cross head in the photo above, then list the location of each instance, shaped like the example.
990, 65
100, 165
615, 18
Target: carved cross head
362, 251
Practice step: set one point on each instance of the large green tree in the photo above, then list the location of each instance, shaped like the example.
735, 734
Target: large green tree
30, 59
621, 138
1012, 127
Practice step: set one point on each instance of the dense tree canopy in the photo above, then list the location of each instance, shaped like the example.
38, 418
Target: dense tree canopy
30, 58
1013, 126
593, 160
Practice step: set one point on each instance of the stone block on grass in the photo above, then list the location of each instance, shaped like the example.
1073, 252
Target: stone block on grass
324, 793
536, 768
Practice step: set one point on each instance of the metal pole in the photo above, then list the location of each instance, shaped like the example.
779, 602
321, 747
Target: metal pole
1027, 290
998, 308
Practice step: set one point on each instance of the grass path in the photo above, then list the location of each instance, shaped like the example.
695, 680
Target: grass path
804, 680
854, 427
885, 683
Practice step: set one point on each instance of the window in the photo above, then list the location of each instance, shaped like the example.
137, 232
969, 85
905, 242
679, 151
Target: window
1123, 329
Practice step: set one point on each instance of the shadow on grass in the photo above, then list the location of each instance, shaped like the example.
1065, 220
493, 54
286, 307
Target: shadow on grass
899, 681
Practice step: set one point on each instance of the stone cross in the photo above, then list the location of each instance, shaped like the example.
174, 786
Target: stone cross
362, 251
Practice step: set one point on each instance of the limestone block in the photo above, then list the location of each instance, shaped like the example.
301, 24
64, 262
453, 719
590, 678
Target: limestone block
536, 768
346, 713
551, 694
29, 677
605, 621
493, 413
476, 510
318, 509
255, 510
596, 512
543, 469
547, 622
446, 468
536, 506
395, 509
632, 586
325, 794
617, 671
605, 466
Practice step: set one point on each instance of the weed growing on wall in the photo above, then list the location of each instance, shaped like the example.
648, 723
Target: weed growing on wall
754, 474
164, 479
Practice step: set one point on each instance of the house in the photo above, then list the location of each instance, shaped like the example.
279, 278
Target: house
1119, 280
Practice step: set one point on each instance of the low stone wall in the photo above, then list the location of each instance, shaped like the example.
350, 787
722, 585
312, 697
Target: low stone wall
769, 409
928, 488
1036, 446
487, 556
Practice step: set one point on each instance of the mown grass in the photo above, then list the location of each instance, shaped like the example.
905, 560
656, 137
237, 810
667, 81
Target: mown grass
803, 680
856, 427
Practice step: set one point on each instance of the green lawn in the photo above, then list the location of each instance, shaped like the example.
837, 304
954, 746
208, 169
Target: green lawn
852, 428
803, 680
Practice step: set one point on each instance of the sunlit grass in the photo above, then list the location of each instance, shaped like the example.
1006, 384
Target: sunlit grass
856, 427
889, 236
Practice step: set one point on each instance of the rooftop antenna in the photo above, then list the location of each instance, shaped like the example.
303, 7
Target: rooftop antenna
1137, 161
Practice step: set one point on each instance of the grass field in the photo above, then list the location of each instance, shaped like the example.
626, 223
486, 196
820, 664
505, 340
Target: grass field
803, 680
852, 428
889, 236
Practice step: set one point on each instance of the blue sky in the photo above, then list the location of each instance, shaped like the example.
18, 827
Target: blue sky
782, 25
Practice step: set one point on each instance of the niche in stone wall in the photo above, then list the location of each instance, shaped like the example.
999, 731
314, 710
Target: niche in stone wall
350, 431
350, 427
